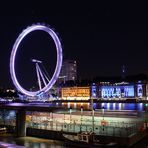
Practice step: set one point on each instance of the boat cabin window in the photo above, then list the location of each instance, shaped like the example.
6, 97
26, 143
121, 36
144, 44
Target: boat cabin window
84, 138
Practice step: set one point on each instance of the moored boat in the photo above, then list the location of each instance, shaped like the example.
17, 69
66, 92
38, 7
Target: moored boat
87, 140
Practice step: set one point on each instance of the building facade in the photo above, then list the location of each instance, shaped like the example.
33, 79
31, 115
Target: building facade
75, 93
107, 91
119, 91
68, 71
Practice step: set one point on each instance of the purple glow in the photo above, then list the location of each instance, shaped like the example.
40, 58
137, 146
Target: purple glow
58, 63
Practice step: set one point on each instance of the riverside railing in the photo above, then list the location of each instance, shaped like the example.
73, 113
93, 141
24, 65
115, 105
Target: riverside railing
113, 129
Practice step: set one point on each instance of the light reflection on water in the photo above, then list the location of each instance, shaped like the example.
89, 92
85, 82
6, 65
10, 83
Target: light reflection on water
42, 145
122, 106
31, 142
108, 106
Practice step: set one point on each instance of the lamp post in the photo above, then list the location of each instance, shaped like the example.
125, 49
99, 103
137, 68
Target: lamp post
103, 112
51, 120
64, 121
70, 115
64, 118
103, 116
81, 117
93, 113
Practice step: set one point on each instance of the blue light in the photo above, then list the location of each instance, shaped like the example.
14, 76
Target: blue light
94, 91
139, 90
115, 91
129, 91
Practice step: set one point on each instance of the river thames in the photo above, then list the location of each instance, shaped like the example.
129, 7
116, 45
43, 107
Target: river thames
32, 142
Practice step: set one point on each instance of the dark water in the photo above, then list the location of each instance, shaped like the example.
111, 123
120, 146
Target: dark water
31, 142
142, 143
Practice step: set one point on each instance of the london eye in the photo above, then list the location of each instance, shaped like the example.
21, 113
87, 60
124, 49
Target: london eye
44, 82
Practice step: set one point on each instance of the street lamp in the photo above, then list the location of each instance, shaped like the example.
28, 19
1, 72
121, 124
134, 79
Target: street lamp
51, 117
70, 115
93, 113
64, 119
103, 116
81, 117
103, 112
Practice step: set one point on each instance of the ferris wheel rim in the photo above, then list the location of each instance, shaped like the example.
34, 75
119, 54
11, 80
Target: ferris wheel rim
56, 73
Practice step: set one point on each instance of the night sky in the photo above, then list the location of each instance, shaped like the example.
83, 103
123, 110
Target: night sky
101, 37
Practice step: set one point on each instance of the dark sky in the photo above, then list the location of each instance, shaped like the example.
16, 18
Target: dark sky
100, 36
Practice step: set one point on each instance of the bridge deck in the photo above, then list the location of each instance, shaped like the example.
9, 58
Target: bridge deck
42, 107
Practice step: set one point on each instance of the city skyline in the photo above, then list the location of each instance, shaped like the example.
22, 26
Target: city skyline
100, 37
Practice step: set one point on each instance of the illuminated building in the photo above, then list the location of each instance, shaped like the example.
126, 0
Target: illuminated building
107, 91
123, 90
76, 93
68, 70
